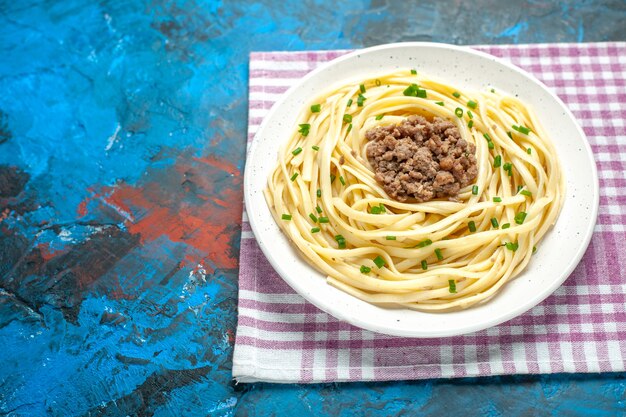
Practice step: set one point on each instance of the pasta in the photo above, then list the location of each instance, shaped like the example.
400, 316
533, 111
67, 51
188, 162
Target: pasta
436, 255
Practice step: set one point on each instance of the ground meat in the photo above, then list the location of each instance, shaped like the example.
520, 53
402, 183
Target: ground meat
418, 160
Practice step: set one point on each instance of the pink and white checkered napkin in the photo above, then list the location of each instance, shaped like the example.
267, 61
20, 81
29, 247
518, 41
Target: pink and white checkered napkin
580, 328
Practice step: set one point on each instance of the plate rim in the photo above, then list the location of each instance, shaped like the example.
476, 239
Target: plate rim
355, 319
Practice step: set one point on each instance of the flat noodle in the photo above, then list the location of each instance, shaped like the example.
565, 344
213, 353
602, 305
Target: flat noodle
351, 236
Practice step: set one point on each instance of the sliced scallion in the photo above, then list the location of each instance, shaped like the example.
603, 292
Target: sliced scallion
520, 217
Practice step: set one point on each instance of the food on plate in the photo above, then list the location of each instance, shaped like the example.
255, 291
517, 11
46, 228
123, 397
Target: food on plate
405, 190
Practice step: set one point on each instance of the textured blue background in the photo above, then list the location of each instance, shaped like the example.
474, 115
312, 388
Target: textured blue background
122, 137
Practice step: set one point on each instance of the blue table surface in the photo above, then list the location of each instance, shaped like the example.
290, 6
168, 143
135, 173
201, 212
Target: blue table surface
122, 139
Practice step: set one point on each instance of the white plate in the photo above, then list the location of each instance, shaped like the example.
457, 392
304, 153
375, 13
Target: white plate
559, 252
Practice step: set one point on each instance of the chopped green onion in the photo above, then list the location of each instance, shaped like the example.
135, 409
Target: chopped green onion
312, 216
341, 241
459, 112
347, 118
375, 210
526, 193
379, 261
380, 116
509, 135
520, 217
315, 230
528, 151
323, 220
304, 129
410, 90
522, 129
534, 249
441, 103
390, 237
360, 100
319, 210
490, 145
424, 265
470, 114
519, 187
470, 124
456, 94
382, 208
296, 151
341, 180
413, 72
377, 82
349, 128
512, 246
494, 222
439, 254
319, 193
365, 269
497, 200
493, 91
315, 148
362, 88
486, 136
506, 226
472, 226
475, 190
497, 161
452, 286
294, 176
316, 108
414, 91
332, 178
286, 217
349, 103
472, 104
508, 166
424, 243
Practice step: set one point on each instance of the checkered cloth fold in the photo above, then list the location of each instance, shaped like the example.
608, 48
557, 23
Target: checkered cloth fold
580, 328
